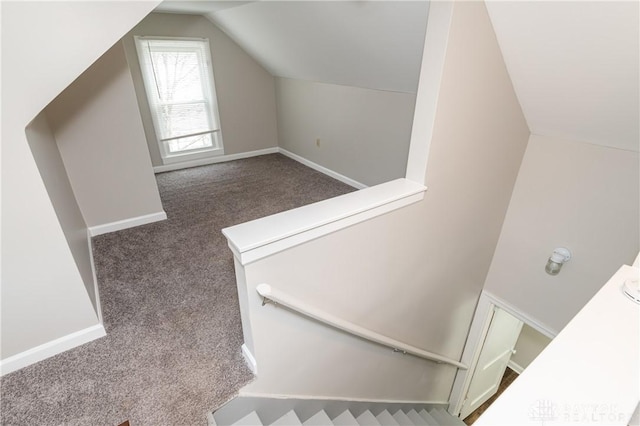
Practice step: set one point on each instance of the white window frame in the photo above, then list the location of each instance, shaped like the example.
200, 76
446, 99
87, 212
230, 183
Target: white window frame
210, 101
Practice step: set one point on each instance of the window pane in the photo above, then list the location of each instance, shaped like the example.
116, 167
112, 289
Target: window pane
178, 75
189, 143
179, 85
184, 119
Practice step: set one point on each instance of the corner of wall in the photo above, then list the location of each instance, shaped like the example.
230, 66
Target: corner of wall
107, 164
56, 181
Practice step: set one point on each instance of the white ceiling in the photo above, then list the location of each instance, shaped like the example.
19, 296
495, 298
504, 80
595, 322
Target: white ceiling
371, 44
198, 7
574, 66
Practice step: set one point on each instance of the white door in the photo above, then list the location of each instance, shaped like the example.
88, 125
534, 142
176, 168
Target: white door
496, 351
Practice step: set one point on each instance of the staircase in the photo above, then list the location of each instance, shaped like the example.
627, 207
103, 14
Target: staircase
279, 412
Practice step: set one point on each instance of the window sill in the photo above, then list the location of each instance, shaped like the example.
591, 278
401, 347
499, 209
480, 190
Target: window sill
181, 158
263, 237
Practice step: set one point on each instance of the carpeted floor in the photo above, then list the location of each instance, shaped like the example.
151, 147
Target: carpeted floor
172, 350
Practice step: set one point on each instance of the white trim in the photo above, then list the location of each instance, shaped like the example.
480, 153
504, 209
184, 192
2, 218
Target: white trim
515, 366
51, 348
506, 306
287, 242
202, 48
194, 155
213, 160
471, 353
429, 83
126, 223
244, 393
322, 169
95, 278
250, 359
266, 236
477, 333
274, 150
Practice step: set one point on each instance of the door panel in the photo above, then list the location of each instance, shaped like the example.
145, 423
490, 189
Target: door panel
496, 351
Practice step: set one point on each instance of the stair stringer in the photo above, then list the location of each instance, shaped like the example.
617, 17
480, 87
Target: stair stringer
271, 409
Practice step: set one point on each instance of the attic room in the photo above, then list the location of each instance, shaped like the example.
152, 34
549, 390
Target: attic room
442, 163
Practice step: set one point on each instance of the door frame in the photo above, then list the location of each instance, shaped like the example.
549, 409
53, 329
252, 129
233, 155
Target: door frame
475, 340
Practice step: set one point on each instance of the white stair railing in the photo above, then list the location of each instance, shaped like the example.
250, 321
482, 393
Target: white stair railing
278, 297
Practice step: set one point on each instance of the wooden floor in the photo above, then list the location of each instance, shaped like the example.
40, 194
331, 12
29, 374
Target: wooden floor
507, 379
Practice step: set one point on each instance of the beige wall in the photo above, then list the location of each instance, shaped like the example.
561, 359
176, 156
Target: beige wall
245, 91
364, 133
414, 274
43, 294
100, 136
371, 274
479, 138
47, 156
568, 194
529, 345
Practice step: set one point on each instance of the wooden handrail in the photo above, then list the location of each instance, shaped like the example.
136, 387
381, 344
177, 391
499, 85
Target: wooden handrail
281, 298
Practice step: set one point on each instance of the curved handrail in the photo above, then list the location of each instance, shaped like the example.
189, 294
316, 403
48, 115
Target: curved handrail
269, 293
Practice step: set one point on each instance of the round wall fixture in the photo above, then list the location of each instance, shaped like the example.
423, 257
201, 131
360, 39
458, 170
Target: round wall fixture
557, 259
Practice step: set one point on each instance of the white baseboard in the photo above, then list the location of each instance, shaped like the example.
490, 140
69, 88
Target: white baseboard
322, 169
328, 398
51, 348
126, 223
213, 160
515, 367
250, 360
274, 150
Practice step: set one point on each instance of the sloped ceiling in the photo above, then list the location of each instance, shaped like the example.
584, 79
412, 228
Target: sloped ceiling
198, 7
370, 44
574, 67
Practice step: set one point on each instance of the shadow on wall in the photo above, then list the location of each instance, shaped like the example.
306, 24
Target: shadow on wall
97, 126
52, 171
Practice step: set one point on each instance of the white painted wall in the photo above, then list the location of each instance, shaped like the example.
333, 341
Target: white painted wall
245, 91
364, 134
100, 136
413, 274
575, 67
572, 194
588, 374
529, 345
43, 295
47, 157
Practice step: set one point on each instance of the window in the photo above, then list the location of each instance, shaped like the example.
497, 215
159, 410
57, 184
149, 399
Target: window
179, 83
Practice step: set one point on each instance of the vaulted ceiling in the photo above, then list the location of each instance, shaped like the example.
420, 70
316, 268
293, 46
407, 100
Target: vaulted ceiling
574, 65
371, 44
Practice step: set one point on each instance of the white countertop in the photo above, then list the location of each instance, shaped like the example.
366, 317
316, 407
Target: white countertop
589, 374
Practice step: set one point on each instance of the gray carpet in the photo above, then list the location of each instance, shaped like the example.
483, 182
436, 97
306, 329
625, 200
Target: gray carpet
172, 350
